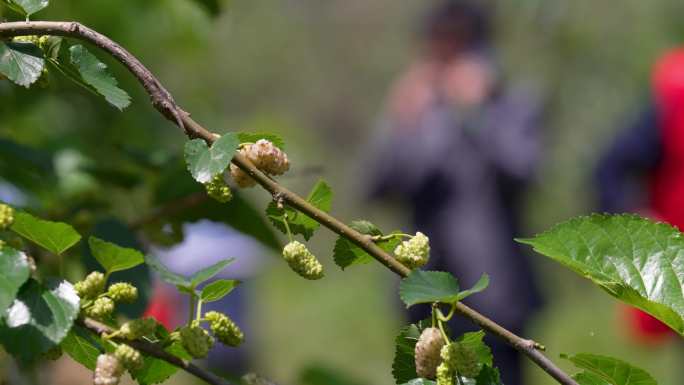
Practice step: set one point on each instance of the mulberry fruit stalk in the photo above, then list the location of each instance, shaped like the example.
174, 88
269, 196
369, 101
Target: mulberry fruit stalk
427, 352
6, 216
415, 252
302, 261
108, 370
224, 328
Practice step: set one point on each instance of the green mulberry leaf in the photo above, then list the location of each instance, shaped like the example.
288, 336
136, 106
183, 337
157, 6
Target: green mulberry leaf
82, 347
113, 257
205, 162
474, 341
21, 62
27, 7
634, 259
404, 364
155, 371
427, 287
39, 318
209, 272
56, 237
217, 289
95, 74
346, 253
14, 271
319, 197
252, 137
599, 370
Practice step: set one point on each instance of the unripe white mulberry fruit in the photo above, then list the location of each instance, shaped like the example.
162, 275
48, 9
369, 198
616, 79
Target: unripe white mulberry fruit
224, 328
6, 216
427, 352
445, 376
415, 252
132, 330
196, 340
123, 292
218, 189
91, 286
461, 359
101, 309
129, 357
108, 370
300, 259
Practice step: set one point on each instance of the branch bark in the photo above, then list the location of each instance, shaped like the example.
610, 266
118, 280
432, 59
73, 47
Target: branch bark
156, 351
164, 103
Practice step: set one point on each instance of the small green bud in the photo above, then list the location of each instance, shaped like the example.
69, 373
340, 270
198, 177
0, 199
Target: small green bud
123, 292
6, 216
108, 370
130, 358
218, 189
102, 308
302, 261
415, 252
91, 286
132, 330
196, 340
445, 376
224, 328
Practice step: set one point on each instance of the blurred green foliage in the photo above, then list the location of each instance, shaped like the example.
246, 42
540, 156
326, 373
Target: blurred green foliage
316, 73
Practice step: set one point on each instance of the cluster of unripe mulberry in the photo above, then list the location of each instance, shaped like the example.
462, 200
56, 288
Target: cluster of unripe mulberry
197, 341
111, 366
218, 189
415, 252
98, 303
265, 156
436, 359
6, 216
301, 261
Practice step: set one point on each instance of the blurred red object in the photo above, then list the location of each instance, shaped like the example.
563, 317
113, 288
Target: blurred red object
644, 328
667, 183
162, 306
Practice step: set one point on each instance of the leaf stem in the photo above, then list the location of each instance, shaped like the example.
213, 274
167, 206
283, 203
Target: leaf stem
198, 316
191, 308
440, 317
287, 227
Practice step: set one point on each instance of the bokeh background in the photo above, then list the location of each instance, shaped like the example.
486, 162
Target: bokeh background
317, 72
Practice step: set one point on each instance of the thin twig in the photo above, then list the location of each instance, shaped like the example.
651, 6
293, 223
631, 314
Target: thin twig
156, 351
164, 103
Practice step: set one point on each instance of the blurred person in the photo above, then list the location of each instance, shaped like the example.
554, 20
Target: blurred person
643, 169
459, 147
